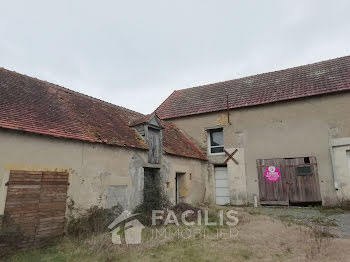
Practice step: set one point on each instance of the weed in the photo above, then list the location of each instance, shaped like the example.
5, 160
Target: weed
328, 211
255, 211
12, 237
345, 204
244, 253
154, 198
278, 256
94, 220
323, 221
288, 250
288, 219
213, 228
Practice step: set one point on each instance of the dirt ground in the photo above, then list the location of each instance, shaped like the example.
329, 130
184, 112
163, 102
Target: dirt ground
337, 219
263, 234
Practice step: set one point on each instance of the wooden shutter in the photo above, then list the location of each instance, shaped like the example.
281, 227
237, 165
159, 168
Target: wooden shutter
155, 145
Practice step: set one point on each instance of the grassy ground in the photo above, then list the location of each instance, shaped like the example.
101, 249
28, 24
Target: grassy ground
257, 237
336, 219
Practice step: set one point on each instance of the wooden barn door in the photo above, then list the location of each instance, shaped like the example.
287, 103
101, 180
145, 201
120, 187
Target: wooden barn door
298, 184
304, 185
52, 206
35, 204
274, 193
22, 204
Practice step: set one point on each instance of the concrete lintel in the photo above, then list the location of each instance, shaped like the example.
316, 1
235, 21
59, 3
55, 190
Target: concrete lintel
213, 127
152, 165
344, 141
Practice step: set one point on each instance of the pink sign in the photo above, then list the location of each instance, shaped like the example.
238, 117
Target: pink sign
272, 174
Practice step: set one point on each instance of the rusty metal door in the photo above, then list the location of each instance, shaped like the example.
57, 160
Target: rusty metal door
35, 204
298, 183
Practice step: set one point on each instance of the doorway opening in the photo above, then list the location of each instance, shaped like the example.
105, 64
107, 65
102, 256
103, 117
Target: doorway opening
152, 191
180, 188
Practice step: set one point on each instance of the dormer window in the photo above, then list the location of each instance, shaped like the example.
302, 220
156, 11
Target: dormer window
150, 128
215, 141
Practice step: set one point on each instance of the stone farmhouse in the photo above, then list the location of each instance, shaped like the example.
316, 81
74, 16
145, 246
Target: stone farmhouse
279, 138
296, 120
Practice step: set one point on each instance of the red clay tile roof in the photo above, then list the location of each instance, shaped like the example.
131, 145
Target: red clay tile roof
144, 119
31, 105
176, 143
303, 81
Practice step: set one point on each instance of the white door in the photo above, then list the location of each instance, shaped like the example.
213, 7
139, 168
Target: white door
222, 192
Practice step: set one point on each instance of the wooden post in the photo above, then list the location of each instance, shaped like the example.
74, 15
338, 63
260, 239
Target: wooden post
228, 112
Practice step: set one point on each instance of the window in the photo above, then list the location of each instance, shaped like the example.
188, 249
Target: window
307, 160
304, 170
216, 141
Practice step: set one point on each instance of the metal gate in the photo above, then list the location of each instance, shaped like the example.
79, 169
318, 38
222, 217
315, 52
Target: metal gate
36, 204
298, 183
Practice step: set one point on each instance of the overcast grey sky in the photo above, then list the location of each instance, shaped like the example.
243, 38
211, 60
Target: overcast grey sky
135, 53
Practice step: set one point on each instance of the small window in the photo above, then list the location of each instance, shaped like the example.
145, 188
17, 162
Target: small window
304, 170
307, 160
216, 141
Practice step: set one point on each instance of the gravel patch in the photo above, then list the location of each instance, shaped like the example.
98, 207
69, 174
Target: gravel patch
337, 220
343, 223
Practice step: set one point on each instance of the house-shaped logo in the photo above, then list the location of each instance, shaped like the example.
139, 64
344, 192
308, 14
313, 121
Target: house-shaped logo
131, 229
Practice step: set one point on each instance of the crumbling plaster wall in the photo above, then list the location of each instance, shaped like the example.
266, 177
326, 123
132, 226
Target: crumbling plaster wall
94, 167
91, 167
195, 172
280, 130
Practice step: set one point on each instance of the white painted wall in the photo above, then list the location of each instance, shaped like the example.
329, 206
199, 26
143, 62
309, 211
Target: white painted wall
341, 154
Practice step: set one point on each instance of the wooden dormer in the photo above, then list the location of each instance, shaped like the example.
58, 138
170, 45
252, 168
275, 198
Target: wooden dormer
150, 129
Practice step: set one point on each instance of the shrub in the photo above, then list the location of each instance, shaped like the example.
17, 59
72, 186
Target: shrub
345, 204
95, 220
154, 198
